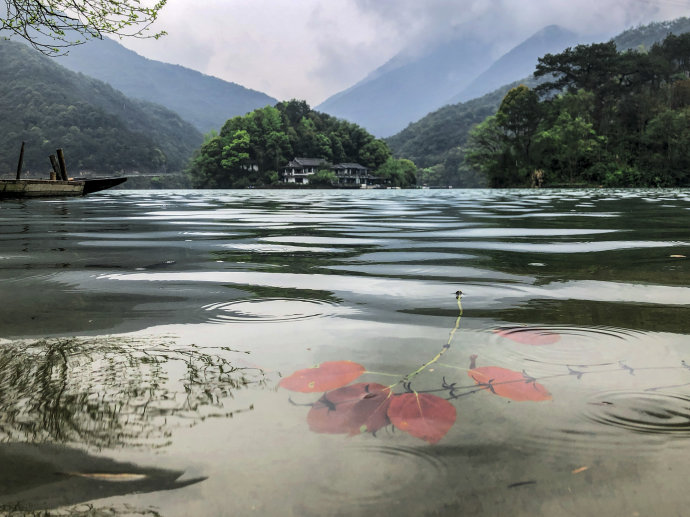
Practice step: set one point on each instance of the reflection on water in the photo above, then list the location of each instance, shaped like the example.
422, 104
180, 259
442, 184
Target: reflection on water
112, 392
577, 401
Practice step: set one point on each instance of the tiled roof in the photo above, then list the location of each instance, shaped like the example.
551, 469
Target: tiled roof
309, 162
348, 166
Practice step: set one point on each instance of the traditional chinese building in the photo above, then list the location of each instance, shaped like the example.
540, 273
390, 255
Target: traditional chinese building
347, 174
299, 169
352, 174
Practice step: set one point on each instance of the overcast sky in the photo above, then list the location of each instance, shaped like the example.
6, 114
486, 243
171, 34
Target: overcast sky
311, 49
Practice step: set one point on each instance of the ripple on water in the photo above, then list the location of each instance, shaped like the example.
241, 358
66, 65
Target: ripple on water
642, 412
270, 310
562, 346
379, 473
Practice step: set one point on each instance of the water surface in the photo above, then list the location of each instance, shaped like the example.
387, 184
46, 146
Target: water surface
144, 336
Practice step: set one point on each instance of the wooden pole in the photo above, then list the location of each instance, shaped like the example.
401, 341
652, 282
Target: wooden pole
21, 162
56, 168
63, 166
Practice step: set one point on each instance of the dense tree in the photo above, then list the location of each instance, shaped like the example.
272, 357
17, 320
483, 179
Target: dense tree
487, 153
52, 25
250, 149
100, 129
643, 86
605, 117
567, 147
586, 67
398, 172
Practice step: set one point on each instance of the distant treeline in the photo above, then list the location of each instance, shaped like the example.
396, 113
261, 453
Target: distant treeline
600, 117
251, 149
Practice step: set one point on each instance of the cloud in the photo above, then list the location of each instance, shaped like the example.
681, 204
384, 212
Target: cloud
311, 49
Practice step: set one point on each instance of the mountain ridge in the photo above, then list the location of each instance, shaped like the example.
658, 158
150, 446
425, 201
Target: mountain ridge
203, 100
381, 102
432, 140
518, 62
101, 130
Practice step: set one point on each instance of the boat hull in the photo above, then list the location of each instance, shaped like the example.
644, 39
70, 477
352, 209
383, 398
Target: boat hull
28, 188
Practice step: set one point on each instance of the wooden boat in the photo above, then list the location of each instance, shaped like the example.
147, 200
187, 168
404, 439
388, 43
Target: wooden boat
59, 184
30, 188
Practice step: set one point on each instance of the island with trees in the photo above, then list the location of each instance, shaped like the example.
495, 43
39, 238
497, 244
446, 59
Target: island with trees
253, 149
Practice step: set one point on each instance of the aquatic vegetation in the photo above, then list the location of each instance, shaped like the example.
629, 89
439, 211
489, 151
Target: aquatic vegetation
323, 377
113, 391
510, 384
352, 409
368, 407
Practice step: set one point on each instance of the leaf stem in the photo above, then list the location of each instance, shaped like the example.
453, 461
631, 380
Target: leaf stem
443, 350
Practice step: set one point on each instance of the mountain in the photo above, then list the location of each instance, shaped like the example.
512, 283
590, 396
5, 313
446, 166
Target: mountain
427, 141
406, 88
519, 62
205, 101
433, 139
100, 129
644, 36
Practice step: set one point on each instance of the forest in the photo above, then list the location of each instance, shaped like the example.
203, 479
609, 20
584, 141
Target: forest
438, 143
250, 149
101, 130
598, 117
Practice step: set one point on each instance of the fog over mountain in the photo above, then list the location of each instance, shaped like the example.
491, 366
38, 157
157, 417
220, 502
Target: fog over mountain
207, 102
518, 62
410, 86
393, 96
313, 49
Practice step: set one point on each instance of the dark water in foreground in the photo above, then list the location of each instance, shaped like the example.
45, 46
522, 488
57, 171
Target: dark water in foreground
144, 334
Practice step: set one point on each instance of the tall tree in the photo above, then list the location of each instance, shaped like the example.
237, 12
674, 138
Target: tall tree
518, 116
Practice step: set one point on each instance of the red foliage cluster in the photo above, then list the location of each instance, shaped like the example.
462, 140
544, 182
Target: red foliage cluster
323, 377
509, 383
367, 407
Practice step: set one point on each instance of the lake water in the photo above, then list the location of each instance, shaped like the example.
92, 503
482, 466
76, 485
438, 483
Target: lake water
149, 340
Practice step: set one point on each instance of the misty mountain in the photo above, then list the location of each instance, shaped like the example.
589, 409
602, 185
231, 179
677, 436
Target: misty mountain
100, 129
433, 139
205, 101
519, 62
406, 88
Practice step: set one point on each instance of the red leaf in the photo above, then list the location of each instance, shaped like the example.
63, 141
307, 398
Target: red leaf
509, 384
529, 336
323, 377
423, 415
351, 410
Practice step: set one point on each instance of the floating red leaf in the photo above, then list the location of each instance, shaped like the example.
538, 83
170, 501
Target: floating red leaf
323, 377
529, 336
422, 415
351, 409
509, 384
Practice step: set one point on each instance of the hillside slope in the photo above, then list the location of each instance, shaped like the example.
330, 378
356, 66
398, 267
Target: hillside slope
403, 91
406, 88
205, 101
100, 129
431, 140
519, 62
